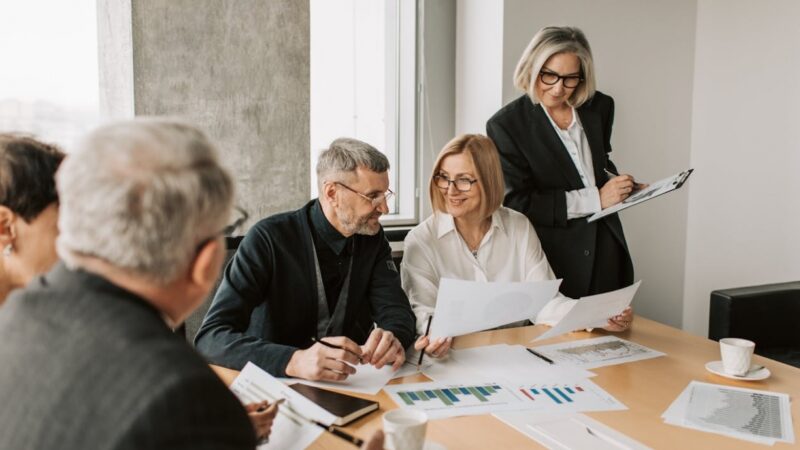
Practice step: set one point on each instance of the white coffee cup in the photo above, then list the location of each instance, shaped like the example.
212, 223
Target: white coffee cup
405, 429
736, 354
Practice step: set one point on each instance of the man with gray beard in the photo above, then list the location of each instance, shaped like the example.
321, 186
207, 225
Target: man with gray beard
314, 292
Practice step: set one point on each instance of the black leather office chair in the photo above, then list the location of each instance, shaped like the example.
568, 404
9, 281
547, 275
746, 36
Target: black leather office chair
768, 315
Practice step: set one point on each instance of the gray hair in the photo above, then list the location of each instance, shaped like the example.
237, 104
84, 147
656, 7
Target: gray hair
345, 155
546, 43
142, 195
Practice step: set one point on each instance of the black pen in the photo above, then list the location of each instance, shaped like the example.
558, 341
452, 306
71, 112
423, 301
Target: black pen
337, 347
539, 355
427, 330
358, 442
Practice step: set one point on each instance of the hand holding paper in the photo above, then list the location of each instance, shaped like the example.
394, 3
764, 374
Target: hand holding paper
593, 311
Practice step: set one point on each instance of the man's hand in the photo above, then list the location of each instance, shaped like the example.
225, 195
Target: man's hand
617, 189
383, 348
375, 442
437, 348
261, 416
320, 362
620, 322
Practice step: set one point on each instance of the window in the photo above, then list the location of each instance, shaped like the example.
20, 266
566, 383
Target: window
363, 86
49, 81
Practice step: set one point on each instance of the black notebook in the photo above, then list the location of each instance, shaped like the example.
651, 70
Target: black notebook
346, 408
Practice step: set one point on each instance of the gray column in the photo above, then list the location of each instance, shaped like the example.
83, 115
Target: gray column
239, 69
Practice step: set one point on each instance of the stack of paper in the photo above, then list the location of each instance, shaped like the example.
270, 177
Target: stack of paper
366, 380
758, 416
569, 431
597, 352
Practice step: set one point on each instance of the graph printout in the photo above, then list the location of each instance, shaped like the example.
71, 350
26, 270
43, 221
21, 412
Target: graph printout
441, 400
759, 416
597, 352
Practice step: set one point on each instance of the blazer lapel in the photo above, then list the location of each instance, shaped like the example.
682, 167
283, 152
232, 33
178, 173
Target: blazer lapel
543, 132
594, 134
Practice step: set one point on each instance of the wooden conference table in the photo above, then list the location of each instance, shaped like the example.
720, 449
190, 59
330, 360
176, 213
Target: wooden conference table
647, 388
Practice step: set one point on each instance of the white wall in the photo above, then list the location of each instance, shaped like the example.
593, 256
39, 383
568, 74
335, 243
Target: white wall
744, 214
644, 55
479, 63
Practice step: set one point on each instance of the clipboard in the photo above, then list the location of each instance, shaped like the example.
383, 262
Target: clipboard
656, 189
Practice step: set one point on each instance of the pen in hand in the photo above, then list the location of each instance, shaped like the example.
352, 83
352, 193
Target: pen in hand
422, 351
338, 347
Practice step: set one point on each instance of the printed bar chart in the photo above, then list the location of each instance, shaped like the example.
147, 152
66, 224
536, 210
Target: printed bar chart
450, 396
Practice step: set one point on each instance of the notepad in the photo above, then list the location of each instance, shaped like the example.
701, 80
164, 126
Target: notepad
656, 189
346, 408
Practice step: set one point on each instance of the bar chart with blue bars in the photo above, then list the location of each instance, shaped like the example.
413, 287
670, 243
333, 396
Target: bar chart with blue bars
558, 394
451, 396
583, 395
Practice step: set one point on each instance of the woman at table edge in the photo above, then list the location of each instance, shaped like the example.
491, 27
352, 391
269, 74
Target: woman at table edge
471, 236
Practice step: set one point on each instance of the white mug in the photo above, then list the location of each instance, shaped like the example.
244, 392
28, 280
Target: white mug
736, 354
405, 429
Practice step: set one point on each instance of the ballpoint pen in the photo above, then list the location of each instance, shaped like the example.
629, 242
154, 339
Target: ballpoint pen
294, 416
539, 355
427, 330
338, 347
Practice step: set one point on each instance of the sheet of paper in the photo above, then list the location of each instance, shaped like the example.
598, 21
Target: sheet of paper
568, 431
507, 363
597, 352
288, 430
749, 414
440, 400
464, 307
593, 311
366, 380
654, 190
471, 396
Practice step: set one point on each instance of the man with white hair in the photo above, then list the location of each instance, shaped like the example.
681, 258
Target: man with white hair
314, 292
87, 357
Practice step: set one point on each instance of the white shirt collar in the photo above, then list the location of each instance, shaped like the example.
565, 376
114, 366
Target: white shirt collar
446, 224
575, 120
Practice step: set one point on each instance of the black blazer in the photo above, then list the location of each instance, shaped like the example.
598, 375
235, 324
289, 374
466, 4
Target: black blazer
538, 171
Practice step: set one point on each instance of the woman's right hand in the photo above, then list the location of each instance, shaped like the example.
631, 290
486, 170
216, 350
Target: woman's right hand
437, 348
617, 189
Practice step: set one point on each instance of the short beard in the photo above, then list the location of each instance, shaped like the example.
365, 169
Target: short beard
357, 225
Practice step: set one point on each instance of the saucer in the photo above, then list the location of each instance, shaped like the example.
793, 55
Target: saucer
715, 367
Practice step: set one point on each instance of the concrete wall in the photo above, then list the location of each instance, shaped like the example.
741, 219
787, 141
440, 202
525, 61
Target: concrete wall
237, 68
744, 214
644, 56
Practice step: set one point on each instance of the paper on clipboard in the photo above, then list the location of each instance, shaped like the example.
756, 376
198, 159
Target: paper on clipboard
654, 190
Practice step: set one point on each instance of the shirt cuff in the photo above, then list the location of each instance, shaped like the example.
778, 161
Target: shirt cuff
583, 202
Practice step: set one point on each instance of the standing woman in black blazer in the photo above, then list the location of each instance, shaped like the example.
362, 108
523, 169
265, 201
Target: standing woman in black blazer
554, 143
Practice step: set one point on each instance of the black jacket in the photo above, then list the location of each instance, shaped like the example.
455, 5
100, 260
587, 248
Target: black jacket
85, 364
266, 306
538, 171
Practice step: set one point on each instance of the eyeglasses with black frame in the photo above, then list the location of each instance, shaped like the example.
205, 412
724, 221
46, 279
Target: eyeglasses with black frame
228, 230
374, 199
462, 184
550, 78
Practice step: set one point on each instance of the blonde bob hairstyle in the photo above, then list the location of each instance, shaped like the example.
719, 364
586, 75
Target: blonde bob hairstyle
550, 41
487, 165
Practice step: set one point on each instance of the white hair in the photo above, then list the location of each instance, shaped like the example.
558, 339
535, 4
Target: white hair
142, 195
345, 155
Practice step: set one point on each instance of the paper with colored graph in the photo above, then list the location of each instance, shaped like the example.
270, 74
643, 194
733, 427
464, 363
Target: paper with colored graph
440, 400
597, 352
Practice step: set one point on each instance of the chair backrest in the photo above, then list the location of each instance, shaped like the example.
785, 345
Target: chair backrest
193, 322
767, 315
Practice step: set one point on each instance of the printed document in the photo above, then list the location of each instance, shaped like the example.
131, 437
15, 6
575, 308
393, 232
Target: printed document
597, 352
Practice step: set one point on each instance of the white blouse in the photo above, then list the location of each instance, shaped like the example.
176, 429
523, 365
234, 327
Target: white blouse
510, 251
586, 201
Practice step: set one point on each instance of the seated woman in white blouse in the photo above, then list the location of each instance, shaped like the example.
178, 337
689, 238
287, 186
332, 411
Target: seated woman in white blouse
471, 236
